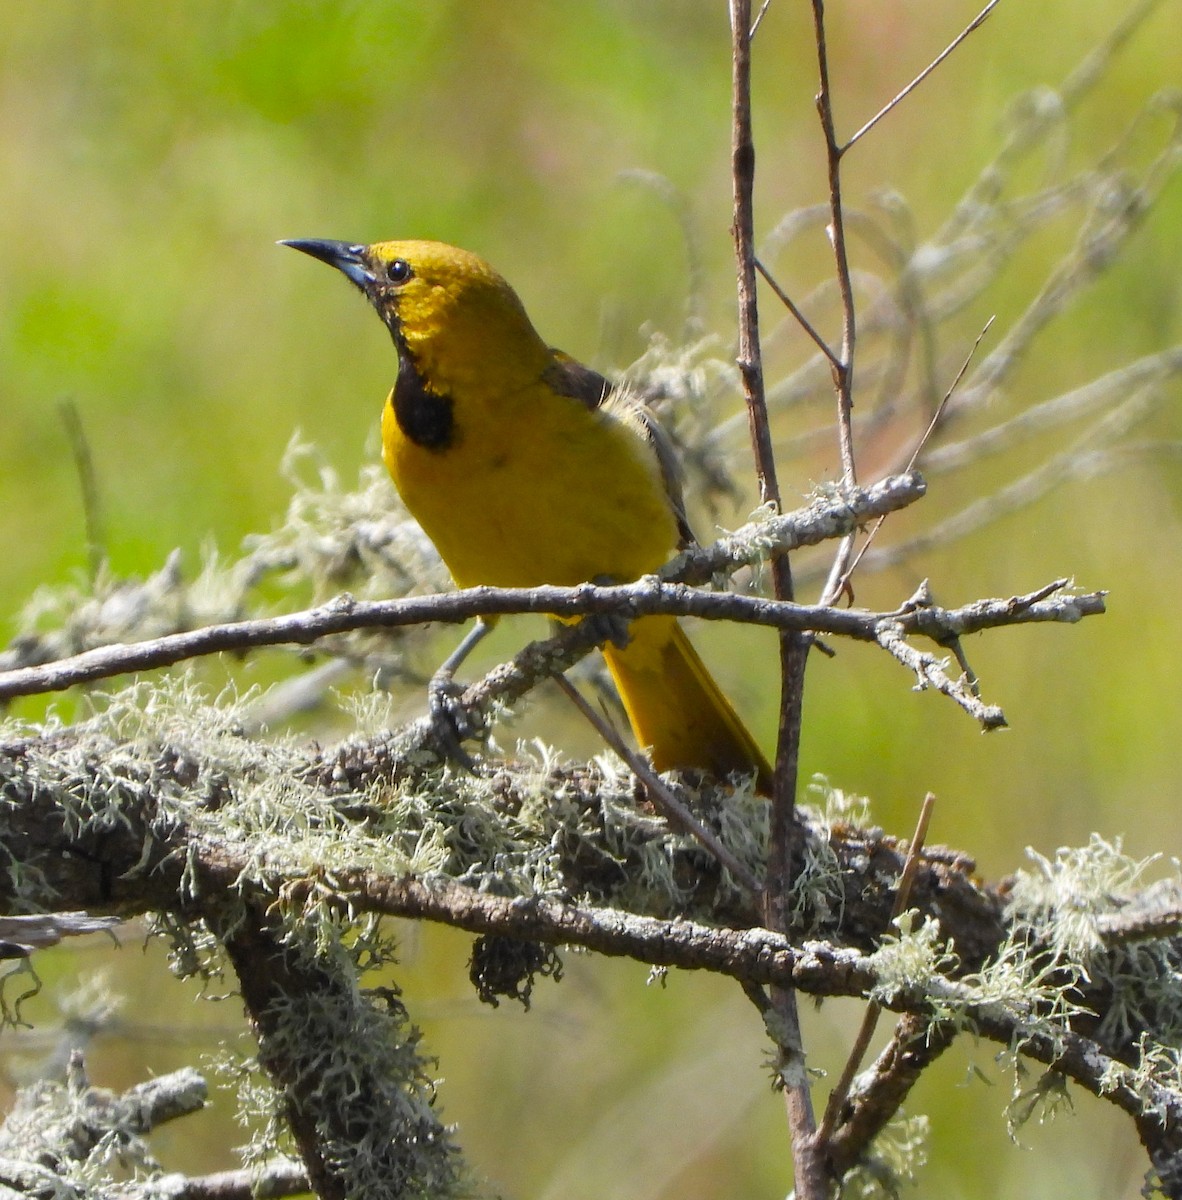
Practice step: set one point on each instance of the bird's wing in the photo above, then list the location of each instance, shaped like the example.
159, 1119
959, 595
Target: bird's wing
569, 377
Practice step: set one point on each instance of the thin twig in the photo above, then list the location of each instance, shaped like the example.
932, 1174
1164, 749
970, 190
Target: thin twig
975, 23
841, 1089
801, 319
843, 371
1060, 410
923, 441
1090, 451
930, 673
646, 597
879, 1091
663, 798
743, 230
935, 421
759, 19
785, 1028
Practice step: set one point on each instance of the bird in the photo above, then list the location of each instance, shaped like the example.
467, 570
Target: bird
524, 467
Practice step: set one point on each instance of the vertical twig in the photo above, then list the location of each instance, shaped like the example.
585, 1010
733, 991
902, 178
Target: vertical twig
937, 416
843, 370
841, 1090
781, 1015
743, 229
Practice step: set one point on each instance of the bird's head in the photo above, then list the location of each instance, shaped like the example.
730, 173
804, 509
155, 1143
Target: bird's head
447, 308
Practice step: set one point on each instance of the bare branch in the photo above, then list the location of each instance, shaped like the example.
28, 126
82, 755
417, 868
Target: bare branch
509, 682
841, 1089
1092, 449
743, 231
273, 1181
662, 796
793, 647
877, 1095
843, 372
974, 24
843, 583
930, 673
1050, 414
827, 517
801, 319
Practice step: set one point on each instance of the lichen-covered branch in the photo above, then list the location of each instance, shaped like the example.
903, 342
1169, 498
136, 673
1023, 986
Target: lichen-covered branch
166, 807
60, 1135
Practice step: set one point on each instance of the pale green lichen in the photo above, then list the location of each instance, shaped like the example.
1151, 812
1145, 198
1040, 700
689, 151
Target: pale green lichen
332, 538
1156, 1076
53, 1140
907, 962
817, 893
1062, 897
1040, 1101
892, 1162
164, 749
1061, 904
353, 1061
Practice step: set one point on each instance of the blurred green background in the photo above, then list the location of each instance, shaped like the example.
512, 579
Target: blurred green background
150, 156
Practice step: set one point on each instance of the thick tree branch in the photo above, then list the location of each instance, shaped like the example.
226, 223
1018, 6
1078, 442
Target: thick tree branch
142, 826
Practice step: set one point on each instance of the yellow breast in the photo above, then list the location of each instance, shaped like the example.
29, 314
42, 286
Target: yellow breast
534, 488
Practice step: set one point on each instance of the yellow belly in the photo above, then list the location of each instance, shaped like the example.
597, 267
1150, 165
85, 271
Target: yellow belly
536, 489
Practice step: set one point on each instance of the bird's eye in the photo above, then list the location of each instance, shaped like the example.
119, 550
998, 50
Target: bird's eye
399, 271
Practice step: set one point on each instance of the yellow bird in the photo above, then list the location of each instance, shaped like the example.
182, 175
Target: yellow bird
526, 468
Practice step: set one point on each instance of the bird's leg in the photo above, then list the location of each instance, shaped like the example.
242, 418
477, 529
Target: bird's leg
448, 715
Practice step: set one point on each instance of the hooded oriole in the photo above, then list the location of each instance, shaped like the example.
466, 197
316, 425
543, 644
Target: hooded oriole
525, 467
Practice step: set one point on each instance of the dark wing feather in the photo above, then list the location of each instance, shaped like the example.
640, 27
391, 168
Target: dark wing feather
568, 377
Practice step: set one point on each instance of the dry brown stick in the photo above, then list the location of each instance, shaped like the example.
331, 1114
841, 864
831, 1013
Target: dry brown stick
881, 1089
841, 1089
759, 19
925, 437
974, 24
843, 371
799, 316
663, 798
843, 368
809, 1177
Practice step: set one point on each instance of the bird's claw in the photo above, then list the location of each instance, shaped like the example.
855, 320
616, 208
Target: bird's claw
450, 719
609, 628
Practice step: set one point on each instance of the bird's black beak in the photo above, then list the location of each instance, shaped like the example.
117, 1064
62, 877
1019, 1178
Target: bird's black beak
348, 257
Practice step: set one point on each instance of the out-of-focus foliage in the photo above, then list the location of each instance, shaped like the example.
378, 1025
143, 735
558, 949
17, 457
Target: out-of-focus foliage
149, 157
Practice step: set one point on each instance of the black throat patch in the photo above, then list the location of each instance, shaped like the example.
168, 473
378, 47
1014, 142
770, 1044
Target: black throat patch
425, 416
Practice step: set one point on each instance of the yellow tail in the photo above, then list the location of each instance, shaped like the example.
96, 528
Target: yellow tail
676, 708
